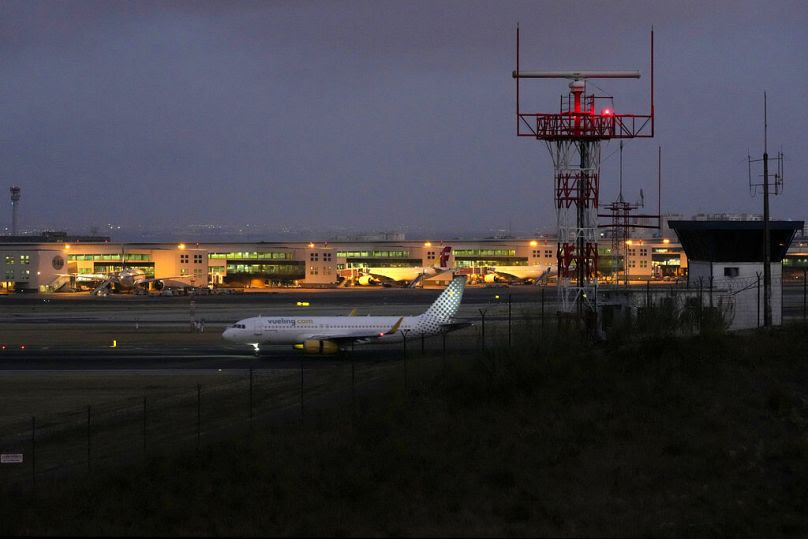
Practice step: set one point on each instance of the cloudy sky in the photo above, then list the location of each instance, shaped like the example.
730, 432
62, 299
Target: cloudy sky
379, 115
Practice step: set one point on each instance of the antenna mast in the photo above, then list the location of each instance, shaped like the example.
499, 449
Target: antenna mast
573, 136
767, 188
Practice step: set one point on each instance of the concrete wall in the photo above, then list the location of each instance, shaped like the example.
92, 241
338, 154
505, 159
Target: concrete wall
736, 284
28, 268
321, 265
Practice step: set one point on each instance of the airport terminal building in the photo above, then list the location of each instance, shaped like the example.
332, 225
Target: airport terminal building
59, 262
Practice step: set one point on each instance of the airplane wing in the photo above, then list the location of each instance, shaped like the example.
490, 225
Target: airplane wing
152, 279
359, 335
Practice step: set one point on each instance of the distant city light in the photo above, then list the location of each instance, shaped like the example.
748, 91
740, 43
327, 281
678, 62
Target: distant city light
666, 240
628, 242
181, 246
311, 245
67, 246
533, 243
427, 244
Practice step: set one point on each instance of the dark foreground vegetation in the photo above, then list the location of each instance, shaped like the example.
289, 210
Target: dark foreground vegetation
664, 436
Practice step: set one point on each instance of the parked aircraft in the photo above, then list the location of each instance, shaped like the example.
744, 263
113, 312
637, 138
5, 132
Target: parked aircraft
376, 275
133, 280
535, 272
330, 334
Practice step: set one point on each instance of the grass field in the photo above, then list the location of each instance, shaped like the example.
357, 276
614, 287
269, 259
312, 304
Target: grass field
661, 436
35, 394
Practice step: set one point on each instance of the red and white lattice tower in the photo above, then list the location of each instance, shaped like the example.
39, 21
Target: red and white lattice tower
574, 135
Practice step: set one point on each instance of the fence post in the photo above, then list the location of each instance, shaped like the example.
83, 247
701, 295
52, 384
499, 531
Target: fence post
33, 450
758, 299
144, 428
701, 304
353, 384
88, 439
509, 320
542, 310
198, 415
782, 297
482, 328
406, 377
251, 398
444, 351
404, 341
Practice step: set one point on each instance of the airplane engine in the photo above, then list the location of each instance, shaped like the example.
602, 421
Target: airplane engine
320, 347
366, 280
159, 285
490, 278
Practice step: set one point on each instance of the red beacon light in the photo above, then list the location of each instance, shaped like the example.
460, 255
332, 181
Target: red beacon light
607, 112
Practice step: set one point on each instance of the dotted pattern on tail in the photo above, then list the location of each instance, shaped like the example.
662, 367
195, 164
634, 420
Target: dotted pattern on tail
444, 308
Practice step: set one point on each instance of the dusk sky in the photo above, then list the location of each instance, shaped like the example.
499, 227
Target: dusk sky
380, 115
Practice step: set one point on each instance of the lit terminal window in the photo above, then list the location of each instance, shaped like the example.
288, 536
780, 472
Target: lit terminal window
485, 252
252, 255
374, 254
114, 257
265, 269
484, 262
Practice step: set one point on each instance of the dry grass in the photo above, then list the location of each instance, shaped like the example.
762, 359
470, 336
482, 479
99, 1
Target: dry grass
36, 394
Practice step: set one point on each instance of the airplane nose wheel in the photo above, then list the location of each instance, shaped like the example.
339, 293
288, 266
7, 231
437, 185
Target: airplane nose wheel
256, 349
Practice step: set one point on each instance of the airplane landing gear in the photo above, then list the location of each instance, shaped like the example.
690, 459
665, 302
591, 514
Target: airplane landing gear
256, 349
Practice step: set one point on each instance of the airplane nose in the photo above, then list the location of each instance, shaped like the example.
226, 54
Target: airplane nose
228, 334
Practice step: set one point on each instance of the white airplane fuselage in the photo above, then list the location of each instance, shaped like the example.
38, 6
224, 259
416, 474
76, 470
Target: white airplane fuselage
297, 329
336, 332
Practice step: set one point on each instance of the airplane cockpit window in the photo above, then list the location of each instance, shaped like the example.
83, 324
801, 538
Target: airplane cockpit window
239, 326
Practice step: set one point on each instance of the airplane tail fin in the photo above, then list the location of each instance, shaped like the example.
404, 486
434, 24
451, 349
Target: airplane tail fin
447, 304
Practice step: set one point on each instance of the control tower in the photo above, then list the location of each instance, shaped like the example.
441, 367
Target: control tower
15, 200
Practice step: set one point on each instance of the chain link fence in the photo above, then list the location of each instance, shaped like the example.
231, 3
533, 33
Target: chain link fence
82, 441
78, 442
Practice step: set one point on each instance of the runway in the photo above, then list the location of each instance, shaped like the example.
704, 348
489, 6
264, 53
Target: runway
81, 332
178, 361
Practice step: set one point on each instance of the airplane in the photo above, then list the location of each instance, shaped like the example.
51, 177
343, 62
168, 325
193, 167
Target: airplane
130, 280
330, 334
535, 272
376, 275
